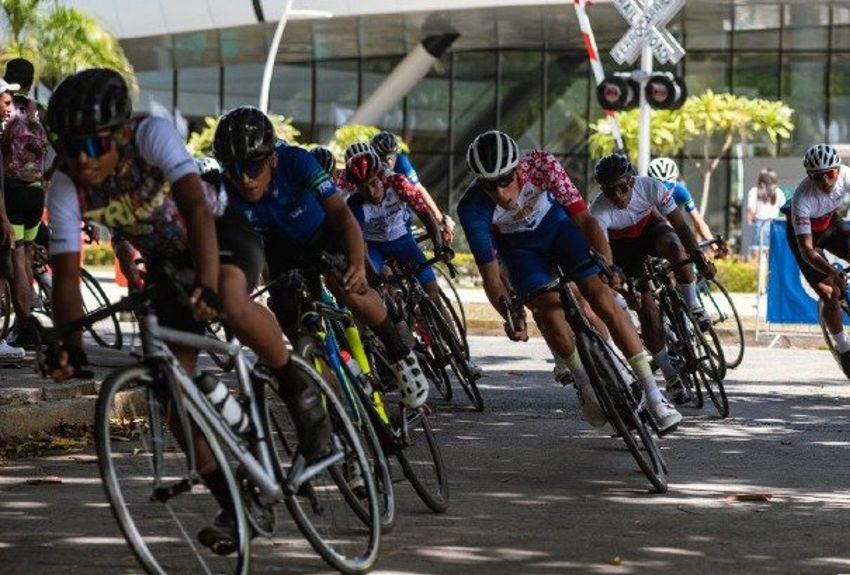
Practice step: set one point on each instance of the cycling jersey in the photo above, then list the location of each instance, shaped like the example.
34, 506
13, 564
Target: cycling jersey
681, 195
135, 199
649, 197
405, 168
542, 182
388, 220
343, 186
292, 204
812, 209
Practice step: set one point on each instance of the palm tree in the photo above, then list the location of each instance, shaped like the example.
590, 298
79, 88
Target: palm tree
59, 40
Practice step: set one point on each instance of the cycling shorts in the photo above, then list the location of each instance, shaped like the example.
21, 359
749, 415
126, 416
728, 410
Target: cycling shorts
406, 251
630, 253
24, 207
834, 239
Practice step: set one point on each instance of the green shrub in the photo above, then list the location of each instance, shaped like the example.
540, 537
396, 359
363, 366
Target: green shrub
737, 275
98, 255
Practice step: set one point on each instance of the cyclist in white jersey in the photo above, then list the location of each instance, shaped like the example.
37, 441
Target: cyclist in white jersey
636, 213
814, 225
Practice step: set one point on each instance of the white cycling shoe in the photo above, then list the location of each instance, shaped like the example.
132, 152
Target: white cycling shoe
665, 415
411, 380
590, 408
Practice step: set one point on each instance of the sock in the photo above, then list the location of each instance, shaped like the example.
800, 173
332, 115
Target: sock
640, 365
577, 369
842, 342
621, 367
689, 292
389, 335
662, 360
217, 485
290, 380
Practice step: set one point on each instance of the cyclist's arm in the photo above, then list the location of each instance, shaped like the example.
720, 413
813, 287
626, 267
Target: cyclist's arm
812, 257
429, 201
413, 197
702, 230
341, 219
495, 285
593, 234
200, 226
684, 231
66, 299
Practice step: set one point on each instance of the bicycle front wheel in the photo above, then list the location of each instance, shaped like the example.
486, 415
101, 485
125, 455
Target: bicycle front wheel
709, 369
160, 504
106, 332
621, 409
322, 506
724, 316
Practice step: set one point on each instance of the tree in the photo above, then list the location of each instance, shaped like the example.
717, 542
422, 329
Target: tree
60, 41
704, 129
200, 143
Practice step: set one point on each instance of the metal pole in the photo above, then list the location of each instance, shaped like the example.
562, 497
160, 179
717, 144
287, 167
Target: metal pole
645, 111
270, 58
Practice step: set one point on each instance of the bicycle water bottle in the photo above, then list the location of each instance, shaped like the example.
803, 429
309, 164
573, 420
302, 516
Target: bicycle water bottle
350, 363
223, 401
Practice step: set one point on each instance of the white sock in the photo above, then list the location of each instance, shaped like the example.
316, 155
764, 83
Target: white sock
577, 369
689, 292
640, 364
621, 367
842, 342
663, 361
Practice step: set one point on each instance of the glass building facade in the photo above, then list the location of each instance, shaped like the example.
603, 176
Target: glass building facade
524, 72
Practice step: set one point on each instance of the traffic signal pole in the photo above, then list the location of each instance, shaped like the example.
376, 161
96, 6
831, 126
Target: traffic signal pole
645, 111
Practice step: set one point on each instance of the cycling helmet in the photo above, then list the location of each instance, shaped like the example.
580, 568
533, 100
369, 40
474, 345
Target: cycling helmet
362, 167
821, 157
357, 148
385, 143
663, 169
325, 158
242, 135
207, 165
492, 154
88, 102
611, 168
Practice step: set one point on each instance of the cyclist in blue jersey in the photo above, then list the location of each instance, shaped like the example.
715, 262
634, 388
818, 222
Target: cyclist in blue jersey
290, 199
386, 145
666, 170
528, 210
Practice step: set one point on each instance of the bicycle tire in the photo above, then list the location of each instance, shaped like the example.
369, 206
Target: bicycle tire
457, 303
454, 357
435, 369
457, 322
419, 452
720, 318
308, 349
331, 526
845, 312
133, 404
621, 411
95, 298
708, 371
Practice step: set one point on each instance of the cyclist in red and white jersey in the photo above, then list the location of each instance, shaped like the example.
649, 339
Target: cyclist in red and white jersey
637, 212
814, 225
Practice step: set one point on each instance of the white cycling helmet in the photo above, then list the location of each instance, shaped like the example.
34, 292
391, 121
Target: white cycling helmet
207, 165
664, 169
821, 157
492, 154
357, 148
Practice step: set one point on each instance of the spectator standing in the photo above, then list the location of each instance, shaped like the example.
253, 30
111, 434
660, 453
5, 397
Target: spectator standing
763, 203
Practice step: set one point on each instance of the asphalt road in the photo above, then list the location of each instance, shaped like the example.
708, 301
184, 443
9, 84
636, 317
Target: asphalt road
536, 490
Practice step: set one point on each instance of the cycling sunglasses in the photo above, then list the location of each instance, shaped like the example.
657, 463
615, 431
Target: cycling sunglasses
93, 146
250, 168
824, 175
500, 182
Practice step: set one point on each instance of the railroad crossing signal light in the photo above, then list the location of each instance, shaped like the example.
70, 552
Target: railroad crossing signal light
664, 91
620, 91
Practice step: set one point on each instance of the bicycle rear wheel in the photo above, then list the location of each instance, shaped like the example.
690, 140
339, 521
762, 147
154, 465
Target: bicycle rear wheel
718, 304
845, 317
621, 408
159, 502
708, 371
454, 299
324, 507
458, 323
106, 332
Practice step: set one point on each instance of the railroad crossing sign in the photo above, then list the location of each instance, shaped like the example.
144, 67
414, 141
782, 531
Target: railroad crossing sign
648, 19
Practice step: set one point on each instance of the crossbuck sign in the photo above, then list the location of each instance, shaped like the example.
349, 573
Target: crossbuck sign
648, 19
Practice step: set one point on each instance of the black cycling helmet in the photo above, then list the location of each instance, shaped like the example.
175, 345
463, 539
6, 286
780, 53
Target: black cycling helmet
243, 135
492, 154
385, 143
325, 158
611, 168
88, 102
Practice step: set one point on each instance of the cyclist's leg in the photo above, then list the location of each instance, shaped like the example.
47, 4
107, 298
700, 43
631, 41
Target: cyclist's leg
668, 246
836, 240
24, 207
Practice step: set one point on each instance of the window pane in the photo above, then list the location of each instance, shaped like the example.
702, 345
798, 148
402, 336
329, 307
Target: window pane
803, 88
756, 74
566, 100
197, 94
474, 105
156, 89
839, 100
433, 170
290, 95
336, 96
428, 111
707, 71
806, 27
242, 85
840, 28
707, 26
520, 104
757, 27
375, 71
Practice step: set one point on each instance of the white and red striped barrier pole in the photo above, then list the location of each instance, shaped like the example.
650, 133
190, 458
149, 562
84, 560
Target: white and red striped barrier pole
596, 64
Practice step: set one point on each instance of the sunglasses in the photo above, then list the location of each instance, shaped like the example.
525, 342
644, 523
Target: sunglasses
618, 186
93, 146
251, 168
500, 182
824, 175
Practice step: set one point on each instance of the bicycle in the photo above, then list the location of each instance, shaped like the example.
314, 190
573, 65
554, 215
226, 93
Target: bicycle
845, 317
368, 387
698, 362
438, 342
622, 401
717, 302
151, 475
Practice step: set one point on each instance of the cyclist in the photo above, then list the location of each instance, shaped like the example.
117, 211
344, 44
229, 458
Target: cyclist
293, 203
814, 225
666, 170
640, 218
136, 177
528, 209
386, 144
